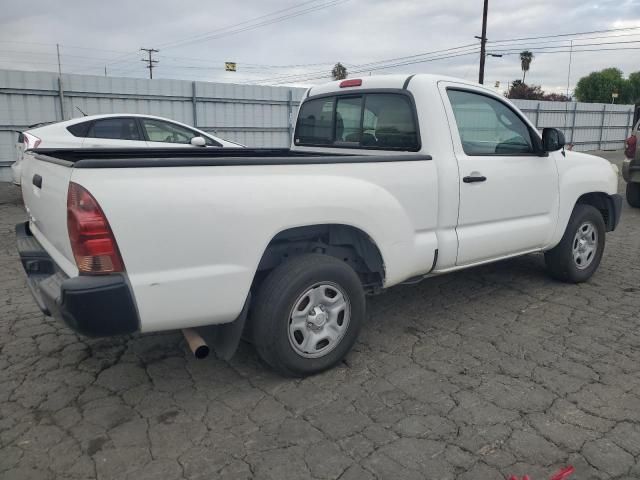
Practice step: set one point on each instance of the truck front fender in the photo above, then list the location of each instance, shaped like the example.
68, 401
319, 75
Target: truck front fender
584, 179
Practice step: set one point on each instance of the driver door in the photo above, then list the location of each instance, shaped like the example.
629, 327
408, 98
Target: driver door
509, 194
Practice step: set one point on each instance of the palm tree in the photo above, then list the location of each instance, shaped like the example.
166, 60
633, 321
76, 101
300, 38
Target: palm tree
525, 62
339, 72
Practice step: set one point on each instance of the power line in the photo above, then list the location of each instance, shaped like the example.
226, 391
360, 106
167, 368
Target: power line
565, 34
209, 36
516, 42
575, 49
491, 42
578, 51
499, 50
232, 29
217, 30
372, 65
384, 67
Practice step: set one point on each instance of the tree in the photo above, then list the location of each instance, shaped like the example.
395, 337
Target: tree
339, 72
634, 87
519, 89
526, 57
556, 97
598, 87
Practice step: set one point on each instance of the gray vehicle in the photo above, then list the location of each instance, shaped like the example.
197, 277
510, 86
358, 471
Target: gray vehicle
631, 168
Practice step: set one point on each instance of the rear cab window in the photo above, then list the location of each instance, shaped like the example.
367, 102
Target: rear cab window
367, 120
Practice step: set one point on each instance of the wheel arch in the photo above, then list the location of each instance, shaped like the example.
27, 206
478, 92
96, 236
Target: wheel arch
604, 203
348, 243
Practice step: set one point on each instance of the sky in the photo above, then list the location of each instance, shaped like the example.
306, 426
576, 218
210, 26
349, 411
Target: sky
290, 42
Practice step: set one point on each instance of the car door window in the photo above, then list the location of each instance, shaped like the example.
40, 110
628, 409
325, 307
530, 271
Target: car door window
115, 128
159, 131
488, 126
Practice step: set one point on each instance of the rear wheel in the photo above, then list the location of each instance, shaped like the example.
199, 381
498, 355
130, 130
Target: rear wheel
633, 194
307, 314
577, 256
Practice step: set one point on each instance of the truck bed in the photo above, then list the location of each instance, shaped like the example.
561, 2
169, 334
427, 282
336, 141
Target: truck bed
202, 157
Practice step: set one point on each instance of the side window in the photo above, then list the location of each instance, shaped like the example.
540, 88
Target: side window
382, 121
488, 126
209, 142
79, 129
315, 122
159, 131
115, 128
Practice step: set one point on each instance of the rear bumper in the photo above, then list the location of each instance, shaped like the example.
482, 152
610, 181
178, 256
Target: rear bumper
96, 306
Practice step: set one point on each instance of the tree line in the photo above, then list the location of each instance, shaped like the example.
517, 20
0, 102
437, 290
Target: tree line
605, 86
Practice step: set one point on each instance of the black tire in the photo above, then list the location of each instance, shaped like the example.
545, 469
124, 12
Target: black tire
633, 194
282, 290
560, 259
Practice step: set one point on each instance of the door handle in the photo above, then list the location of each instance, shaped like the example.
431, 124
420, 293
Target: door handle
37, 180
473, 179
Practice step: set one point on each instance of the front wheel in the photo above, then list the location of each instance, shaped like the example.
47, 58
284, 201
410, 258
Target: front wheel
307, 314
577, 256
633, 194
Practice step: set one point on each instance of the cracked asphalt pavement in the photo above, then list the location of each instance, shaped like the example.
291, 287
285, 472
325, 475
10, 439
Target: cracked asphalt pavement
480, 374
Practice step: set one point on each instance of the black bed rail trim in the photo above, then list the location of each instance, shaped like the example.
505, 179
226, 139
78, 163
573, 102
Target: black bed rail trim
149, 158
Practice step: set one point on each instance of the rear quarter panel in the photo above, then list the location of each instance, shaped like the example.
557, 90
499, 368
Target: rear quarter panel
192, 237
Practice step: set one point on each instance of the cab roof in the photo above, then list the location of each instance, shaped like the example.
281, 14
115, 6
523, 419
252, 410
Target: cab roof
384, 81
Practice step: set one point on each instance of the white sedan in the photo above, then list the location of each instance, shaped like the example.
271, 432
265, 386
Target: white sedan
116, 130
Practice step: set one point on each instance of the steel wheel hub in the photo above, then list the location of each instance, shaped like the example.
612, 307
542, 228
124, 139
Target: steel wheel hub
317, 317
318, 320
585, 245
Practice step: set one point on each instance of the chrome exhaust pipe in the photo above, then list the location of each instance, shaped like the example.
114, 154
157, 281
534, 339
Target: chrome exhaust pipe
196, 343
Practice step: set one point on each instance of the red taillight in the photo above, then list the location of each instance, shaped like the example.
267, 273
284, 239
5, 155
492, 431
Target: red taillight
30, 141
355, 82
92, 242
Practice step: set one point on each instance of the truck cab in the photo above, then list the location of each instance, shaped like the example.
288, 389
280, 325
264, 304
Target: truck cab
499, 189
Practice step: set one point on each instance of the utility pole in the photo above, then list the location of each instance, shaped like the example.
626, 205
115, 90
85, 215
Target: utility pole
483, 41
59, 66
150, 61
569, 72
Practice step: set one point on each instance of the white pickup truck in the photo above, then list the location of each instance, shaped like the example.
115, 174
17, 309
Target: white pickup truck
389, 179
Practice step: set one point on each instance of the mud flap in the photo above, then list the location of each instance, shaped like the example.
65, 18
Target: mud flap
225, 338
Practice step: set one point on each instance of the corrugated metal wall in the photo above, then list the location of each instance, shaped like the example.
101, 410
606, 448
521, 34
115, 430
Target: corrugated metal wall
256, 116
589, 126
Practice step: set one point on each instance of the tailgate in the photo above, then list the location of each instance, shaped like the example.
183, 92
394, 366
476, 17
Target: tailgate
44, 190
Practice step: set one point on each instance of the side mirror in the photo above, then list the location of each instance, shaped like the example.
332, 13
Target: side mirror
552, 139
198, 142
